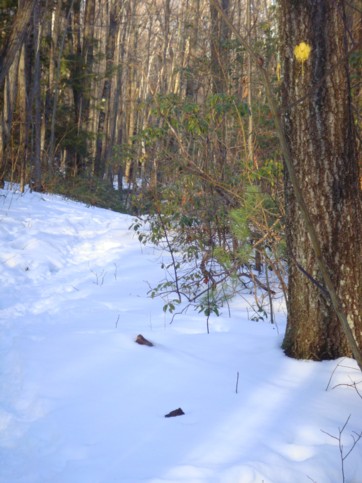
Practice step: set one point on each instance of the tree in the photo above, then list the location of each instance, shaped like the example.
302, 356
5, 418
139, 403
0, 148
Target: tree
321, 136
18, 32
36, 97
11, 61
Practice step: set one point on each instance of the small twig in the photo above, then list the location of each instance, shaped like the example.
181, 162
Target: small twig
208, 304
343, 456
312, 279
115, 271
272, 321
171, 252
99, 277
256, 281
179, 313
334, 370
353, 384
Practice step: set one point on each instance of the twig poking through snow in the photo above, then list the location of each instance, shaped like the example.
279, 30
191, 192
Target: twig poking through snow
355, 436
237, 382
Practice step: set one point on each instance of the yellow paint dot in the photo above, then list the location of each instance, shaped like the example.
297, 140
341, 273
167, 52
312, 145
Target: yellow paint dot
302, 52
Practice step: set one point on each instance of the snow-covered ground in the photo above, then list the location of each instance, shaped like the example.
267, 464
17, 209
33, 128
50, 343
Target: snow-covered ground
81, 402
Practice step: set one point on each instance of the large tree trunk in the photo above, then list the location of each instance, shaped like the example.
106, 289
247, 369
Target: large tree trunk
320, 131
9, 91
219, 54
16, 38
8, 108
219, 71
105, 112
36, 88
24, 113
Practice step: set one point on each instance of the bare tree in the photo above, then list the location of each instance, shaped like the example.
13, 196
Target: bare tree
18, 32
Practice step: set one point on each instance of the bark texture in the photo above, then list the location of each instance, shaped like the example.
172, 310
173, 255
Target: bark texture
319, 127
16, 39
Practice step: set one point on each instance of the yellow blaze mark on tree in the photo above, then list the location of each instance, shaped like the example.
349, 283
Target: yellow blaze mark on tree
301, 53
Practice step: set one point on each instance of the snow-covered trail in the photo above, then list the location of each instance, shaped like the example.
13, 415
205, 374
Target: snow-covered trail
80, 402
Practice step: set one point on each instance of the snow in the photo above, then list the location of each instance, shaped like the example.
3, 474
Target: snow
81, 402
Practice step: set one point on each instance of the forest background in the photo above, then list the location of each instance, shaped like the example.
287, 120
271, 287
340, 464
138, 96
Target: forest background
158, 108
